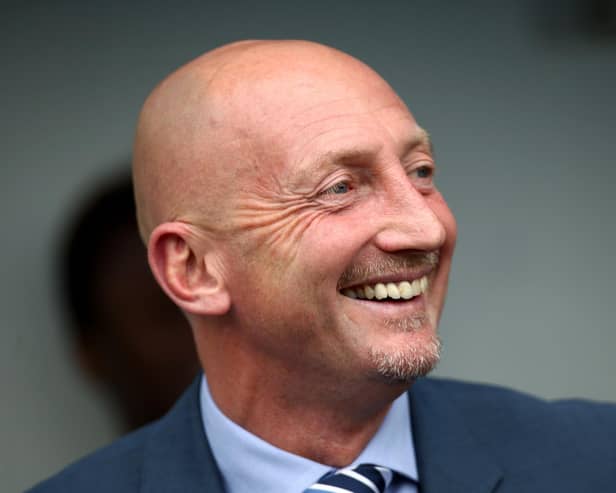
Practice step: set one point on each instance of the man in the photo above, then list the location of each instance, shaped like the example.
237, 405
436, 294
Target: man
287, 197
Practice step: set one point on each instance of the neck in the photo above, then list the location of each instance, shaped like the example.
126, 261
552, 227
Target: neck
328, 423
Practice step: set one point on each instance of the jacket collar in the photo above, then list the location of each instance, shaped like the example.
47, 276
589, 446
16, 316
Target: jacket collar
448, 455
177, 456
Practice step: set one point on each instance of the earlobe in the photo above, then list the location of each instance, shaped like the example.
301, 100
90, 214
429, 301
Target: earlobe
184, 266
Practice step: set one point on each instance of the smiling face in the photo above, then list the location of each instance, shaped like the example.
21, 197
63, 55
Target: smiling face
339, 244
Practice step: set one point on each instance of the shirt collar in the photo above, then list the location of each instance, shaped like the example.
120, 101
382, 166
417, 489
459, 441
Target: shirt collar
248, 463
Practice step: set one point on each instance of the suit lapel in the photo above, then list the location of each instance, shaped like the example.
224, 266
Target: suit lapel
448, 457
177, 456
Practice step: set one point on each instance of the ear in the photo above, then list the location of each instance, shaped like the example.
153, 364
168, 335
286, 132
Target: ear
184, 264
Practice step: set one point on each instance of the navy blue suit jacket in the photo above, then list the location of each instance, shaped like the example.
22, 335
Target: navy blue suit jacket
468, 439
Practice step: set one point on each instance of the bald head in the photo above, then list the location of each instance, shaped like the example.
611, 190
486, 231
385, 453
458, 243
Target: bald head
209, 123
272, 175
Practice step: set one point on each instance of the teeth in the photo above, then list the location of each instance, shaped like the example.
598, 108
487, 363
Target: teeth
380, 291
405, 290
369, 292
423, 284
350, 293
416, 287
392, 291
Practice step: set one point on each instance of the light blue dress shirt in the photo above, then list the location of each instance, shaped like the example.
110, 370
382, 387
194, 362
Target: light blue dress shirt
250, 464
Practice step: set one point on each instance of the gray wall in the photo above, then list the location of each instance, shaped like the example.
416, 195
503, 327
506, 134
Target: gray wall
524, 128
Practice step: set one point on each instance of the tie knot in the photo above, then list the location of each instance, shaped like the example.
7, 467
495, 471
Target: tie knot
364, 478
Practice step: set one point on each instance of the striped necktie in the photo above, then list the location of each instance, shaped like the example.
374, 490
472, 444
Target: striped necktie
364, 478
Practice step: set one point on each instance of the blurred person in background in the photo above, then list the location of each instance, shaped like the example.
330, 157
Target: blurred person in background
128, 336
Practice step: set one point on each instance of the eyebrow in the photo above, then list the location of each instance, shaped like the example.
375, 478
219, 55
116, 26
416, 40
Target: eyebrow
422, 137
346, 156
357, 155
305, 169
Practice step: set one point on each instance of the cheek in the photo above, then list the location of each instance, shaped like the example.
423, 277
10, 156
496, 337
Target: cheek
443, 213
451, 229
274, 234
274, 262
277, 310
330, 244
447, 219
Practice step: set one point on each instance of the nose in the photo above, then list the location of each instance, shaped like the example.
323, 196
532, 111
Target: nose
408, 218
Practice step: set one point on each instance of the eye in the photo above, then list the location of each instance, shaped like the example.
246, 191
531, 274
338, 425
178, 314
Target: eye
424, 172
423, 176
339, 188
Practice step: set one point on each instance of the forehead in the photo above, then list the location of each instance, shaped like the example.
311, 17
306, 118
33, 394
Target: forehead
359, 125
302, 116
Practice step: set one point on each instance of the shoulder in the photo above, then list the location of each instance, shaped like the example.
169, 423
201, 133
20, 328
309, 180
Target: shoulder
495, 403
113, 468
171, 454
523, 429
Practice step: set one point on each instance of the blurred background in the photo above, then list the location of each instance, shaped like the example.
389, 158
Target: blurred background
520, 99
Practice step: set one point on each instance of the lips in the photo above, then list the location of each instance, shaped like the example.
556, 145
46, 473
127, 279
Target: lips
405, 290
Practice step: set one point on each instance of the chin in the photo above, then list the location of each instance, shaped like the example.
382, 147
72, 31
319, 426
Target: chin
407, 362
